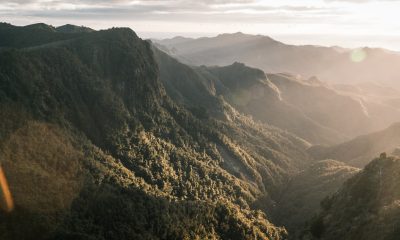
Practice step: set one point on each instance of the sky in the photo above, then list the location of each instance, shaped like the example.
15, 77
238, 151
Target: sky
347, 23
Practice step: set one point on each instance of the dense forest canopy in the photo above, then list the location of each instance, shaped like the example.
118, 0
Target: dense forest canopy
104, 135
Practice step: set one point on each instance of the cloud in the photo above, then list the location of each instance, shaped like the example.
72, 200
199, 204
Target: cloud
147, 8
152, 6
361, 1
126, 1
176, 10
283, 16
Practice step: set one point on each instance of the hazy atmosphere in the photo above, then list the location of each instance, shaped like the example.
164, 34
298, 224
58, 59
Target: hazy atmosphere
349, 23
213, 119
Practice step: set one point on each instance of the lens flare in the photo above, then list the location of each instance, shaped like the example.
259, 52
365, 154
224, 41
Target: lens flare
358, 55
5, 190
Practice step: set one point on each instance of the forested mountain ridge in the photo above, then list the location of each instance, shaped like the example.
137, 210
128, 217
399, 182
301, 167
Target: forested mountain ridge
348, 96
97, 148
312, 111
300, 200
366, 207
104, 136
198, 91
251, 91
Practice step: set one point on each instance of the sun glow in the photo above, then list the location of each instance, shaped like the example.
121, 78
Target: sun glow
358, 55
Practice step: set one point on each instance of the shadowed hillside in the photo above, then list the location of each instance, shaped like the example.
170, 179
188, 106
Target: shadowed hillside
360, 150
366, 207
309, 109
104, 136
99, 142
300, 200
371, 82
328, 63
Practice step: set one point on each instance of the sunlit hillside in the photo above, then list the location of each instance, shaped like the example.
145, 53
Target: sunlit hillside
192, 120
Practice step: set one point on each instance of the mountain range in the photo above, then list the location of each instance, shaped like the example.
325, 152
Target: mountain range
331, 64
320, 93
104, 135
90, 134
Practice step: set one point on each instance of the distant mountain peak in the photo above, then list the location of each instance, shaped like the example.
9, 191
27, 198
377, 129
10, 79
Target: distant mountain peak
238, 64
244, 35
69, 28
4, 24
239, 33
231, 34
41, 26
180, 37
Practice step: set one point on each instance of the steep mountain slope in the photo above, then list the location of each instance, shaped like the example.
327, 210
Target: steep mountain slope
366, 207
300, 200
328, 63
379, 101
310, 110
368, 112
323, 104
253, 93
360, 150
95, 147
197, 91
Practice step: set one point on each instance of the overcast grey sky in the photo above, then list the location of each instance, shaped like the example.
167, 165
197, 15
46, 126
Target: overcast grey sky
348, 23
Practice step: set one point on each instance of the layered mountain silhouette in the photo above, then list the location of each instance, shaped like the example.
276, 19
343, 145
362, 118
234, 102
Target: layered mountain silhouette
352, 98
331, 64
248, 90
